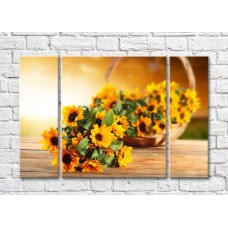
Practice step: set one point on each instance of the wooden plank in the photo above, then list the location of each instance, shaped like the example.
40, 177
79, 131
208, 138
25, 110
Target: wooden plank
189, 158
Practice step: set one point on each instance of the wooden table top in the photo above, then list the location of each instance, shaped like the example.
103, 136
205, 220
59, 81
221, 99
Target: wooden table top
188, 159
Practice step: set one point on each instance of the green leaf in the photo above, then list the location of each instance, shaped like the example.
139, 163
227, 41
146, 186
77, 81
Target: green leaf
94, 154
132, 118
109, 160
88, 124
109, 118
127, 111
131, 131
83, 145
116, 145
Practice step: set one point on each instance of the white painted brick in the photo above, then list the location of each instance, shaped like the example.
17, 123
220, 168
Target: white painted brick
7, 128
221, 169
107, 43
4, 156
12, 43
76, 185
222, 86
17, 54
212, 184
218, 101
212, 115
101, 185
14, 85
155, 43
35, 33
33, 185
14, 100
212, 86
176, 44
222, 114
135, 43
5, 99
4, 142
174, 33
5, 57
217, 128
16, 171
212, 142
3, 85
103, 53
11, 185
13, 156
72, 43
208, 44
134, 185
9, 71
222, 58
5, 171
209, 33
14, 142
222, 142
5, 113
68, 185
120, 34
211, 170
218, 71
138, 53
37, 42
139, 33
225, 33
15, 113
218, 156
168, 185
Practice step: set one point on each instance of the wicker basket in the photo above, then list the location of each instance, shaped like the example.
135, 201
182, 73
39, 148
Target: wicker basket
176, 131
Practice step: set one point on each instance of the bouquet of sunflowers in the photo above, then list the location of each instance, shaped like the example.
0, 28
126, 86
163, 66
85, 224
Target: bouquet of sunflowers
93, 137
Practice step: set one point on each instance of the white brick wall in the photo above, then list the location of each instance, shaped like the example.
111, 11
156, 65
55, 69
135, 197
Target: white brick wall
13, 45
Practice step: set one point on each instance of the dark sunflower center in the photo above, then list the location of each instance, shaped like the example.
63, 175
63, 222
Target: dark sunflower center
113, 103
119, 123
142, 127
72, 116
99, 137
98, 122
151, 108
66, 159
182, 115
54, 141
162, 126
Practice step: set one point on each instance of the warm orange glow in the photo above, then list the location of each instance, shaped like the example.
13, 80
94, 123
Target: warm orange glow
38, 94
83, 77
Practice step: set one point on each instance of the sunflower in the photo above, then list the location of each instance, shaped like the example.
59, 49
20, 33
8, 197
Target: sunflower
132, 95
183, 116
153, 89
106, 91
158, 126
140, 110
76, 140
173, 86
99, 117
54, 162
50, 141
109, 101
124, 156
152, 106
121, 120
94, 103
71, 114
118, 129
92, 166
109, 152
69, 161
102, 136
192, 100
142, 126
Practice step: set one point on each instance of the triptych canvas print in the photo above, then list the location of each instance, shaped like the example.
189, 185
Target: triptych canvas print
120, 117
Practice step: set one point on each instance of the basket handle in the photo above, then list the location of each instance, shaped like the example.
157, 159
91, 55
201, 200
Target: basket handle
186, 64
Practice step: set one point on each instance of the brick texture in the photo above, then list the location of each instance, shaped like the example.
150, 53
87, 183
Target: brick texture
16, 44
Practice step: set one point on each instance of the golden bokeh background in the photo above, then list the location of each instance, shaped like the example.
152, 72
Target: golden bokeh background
198, 126
83, 77
38, 94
